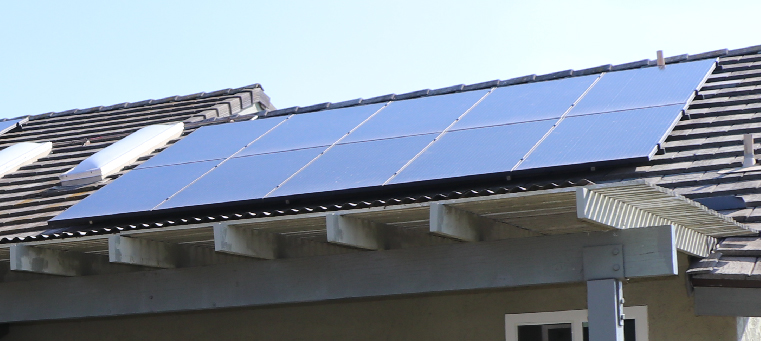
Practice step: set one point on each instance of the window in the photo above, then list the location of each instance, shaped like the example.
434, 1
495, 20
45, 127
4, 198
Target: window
570, 325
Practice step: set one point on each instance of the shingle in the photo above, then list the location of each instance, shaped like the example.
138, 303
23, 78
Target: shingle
709, 54
554, 75
631, 65
676, 59
315, 107
593, 70
379, 99
282, 112
518, 80
413, 94
482, 85
447, 90
744, 50
348, 103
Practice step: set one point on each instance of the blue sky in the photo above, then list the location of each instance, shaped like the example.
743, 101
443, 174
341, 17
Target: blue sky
78, 54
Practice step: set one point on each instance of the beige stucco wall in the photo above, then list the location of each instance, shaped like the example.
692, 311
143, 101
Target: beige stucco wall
461, 316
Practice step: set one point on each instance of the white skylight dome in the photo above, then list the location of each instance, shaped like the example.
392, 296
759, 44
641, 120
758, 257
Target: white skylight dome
120, 154
22, 154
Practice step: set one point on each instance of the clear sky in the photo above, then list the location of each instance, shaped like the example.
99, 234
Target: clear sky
60, 55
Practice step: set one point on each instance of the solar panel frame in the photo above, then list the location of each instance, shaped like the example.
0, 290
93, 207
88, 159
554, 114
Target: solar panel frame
526, 102
216, 142
606, 137
433, 114
139, 190
243, 178
487, 150
312, 130
355, 165
646, 87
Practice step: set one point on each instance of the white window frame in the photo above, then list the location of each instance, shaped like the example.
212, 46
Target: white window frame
576, 318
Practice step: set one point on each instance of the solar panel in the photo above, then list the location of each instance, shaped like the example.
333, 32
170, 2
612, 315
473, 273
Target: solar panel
630, 134
641, 88
8, 125
355, 165
312, 130
423, 115
243, 178
475, 151
617, 116
138, 190
215, 142
526, 102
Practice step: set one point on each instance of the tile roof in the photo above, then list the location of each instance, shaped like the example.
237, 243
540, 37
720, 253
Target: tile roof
32, 195
707, 140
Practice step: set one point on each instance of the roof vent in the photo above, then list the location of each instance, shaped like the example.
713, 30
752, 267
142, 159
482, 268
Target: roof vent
120, 154
22, 154
660, 59
749, 157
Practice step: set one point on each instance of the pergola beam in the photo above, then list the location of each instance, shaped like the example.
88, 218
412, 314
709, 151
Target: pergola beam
600, 209
47, 261
443, 268
354, 232
245, 242
156, 254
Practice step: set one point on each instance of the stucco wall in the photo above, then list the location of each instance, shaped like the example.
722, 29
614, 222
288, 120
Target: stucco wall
461, 316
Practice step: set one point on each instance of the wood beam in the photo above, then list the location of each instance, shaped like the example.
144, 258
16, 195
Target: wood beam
156, 254
354, 232
47, 261
245, 242
458, 224
421, 270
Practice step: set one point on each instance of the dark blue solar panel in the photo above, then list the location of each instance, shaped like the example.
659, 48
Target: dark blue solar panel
213, 142
526, 102
355, 165
8, 125
620, 135
312, 130
243, 178
139, 190
475, 151
646, 87
423, 115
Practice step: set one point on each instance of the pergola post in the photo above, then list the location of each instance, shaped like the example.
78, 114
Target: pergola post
603, 269
605, 310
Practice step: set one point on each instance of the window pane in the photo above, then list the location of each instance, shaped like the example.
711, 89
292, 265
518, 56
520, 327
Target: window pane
547, 332
629, 330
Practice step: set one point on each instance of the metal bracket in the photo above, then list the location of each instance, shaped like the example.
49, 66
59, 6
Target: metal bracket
603, 262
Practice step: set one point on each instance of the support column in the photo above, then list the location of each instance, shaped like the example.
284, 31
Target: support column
605, 303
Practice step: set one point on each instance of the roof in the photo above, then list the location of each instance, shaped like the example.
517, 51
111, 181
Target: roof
32, 195
707, 140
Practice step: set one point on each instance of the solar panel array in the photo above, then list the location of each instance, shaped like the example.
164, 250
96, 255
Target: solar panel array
572, 121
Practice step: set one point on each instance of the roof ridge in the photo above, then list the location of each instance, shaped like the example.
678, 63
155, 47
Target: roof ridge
512, 81
125, 105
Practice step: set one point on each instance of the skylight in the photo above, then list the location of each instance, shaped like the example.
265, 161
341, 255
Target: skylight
22, 154
120, 154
